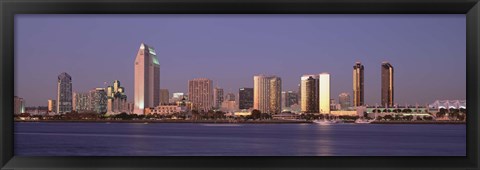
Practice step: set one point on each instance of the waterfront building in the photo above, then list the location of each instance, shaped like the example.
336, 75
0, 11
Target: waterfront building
245, 98
229, 106
387, 84
218, 97
267, 94
309, 93
40, 110
164, 110
200, 92
19, 105
81, 102
358, 85
164, 96
52, 106
448, 104
286, 116
116, 98
344, 101
324, 93
147, 79
98, 100
64, 93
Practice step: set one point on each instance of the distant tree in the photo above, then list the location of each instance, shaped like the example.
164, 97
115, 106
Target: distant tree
256, 114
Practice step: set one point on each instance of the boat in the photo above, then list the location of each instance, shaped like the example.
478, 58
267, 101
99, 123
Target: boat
363, 121
325, 122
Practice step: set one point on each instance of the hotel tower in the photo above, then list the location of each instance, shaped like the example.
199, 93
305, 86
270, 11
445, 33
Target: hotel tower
358, 86
309, 93
324, 93
387, 84
267, 94
147, 79
200, 93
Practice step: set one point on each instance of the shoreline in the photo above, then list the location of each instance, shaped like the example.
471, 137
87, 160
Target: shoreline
229, 122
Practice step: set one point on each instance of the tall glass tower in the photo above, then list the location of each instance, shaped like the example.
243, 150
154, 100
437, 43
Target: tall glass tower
147, 79
64, 93
387, 84
358, 85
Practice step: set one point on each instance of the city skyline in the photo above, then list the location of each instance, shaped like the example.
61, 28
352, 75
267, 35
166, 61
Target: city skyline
405, 90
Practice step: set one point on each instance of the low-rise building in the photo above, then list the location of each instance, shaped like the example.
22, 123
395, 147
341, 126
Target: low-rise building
164, 110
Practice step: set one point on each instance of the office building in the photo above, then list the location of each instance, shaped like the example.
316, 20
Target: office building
64, 93
245, 98
81, 102
230, 97
358, 84
116, 98
289, 98
267, 94
200, 93
147, 79
324, 93
19, 105
98, 100
218, 97
387, 85
344, 101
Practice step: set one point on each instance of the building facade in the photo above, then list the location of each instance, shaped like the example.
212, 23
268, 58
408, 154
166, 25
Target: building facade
19, 105
200, 93
289, 98
64, 93
81, 102
147, 79
358, 84
230, 97
52, 106
267, 94
309, 93
218, 97
387, 85
98, 100
116, 98
324, 93
245, 98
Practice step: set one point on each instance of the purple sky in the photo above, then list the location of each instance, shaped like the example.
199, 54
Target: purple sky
428, 52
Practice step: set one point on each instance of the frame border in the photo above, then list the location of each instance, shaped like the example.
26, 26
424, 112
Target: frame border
8, 8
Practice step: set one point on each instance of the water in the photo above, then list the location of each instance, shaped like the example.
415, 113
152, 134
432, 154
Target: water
185, 139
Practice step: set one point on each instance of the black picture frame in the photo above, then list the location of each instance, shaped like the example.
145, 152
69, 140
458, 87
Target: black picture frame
8, 9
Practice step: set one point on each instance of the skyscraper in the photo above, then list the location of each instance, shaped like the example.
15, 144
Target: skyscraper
200, 93
164, 96
344, 100
64, 93
245, 98
267, 94
147, 79
52, 105
387, 84
309, 93
218, 97
324, 93
358, 86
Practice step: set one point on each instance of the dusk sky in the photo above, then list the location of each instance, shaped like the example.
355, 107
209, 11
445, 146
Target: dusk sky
428, 52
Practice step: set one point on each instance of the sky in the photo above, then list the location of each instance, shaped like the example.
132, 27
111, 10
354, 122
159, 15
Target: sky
428, 52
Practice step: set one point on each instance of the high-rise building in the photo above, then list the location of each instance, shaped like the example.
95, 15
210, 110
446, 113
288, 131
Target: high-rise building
147, 79
358, 86
52, 106
200, 93
82, 102
387, 85
267, 94
19, 105
218, 97
230, 97
116, 98
64, 93
289, 98
245, 98
309, 93
98, 100
164, 96
324, 93
344, 101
